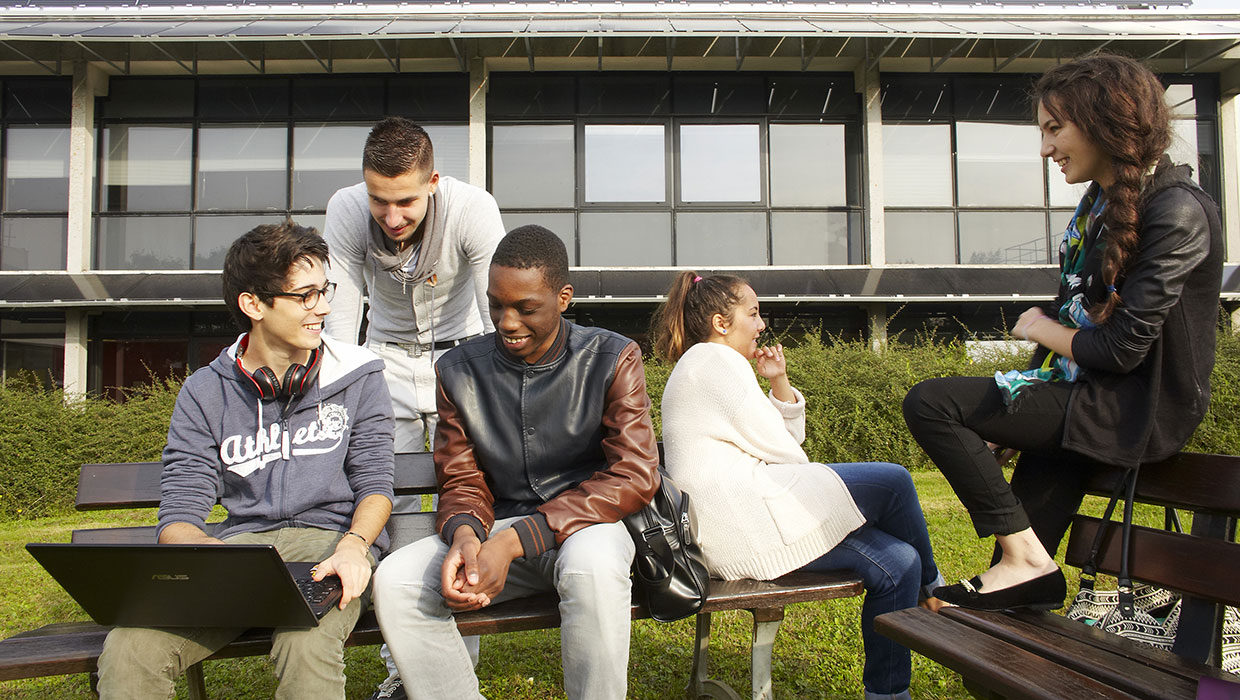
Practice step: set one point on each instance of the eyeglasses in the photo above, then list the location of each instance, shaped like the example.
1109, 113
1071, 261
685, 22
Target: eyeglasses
310, 299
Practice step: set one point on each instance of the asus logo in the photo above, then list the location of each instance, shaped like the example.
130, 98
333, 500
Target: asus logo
170, 577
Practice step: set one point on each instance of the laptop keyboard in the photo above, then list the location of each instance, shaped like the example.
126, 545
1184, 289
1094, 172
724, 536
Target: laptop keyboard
317, 592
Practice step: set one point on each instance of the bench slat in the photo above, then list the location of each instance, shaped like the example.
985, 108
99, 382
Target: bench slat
136, 484
1195, 565
1087, 650
1189, 480
1011, 671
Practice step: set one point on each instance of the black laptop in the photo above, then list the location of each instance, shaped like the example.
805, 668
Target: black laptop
173, 585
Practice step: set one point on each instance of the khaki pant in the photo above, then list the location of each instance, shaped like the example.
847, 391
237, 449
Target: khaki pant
141, 662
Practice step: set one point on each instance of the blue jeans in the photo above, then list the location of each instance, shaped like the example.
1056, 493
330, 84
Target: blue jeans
892, 555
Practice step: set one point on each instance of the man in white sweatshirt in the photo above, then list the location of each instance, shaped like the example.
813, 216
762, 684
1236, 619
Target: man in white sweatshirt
419, 244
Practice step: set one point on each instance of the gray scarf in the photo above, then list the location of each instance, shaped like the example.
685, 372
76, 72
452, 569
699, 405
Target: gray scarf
432, 242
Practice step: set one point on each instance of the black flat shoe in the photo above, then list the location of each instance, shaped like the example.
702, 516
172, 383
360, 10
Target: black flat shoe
1046, 592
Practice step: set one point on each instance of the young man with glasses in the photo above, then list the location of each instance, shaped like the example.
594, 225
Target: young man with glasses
294, 431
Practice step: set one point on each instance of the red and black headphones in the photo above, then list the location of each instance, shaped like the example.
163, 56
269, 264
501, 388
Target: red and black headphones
297, 378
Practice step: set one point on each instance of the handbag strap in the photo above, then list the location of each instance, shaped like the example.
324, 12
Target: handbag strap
1124, 584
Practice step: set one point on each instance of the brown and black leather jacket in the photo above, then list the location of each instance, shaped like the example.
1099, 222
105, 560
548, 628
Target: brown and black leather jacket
567, 441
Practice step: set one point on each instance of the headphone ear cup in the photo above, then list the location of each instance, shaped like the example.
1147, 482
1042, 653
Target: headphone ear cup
266, 382
294, 380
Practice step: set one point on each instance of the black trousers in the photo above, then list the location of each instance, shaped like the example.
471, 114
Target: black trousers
952, 418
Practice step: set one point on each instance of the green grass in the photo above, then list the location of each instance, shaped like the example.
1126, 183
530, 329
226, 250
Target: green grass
817, 653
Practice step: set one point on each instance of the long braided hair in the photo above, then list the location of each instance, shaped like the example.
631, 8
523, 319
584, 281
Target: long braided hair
1120, 105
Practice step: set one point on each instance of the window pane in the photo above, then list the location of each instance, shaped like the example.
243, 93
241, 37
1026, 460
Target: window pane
33, 244
37, 169
144, 97
1061, 193
626, 94
998, 165
719, 94
989, 97
912, 96
1184, 145
242, 167
626, 239
720, 163
812, 96
562, 224
920, 237
243, 98
808, 165
213, 235
721, 238
1181, 100
338, 98
810, 238
421, 96
146, 168
1002, 238
451, 146
326, 157
314, 221
45, 100
625, 163
533, 165
917, 164
143, 243
524, 95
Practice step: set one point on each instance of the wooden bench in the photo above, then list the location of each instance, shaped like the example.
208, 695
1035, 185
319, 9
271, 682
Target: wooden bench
1048, 657
74, 647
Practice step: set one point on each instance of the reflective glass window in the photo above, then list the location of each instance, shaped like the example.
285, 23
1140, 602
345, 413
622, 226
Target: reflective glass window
44, 100
1181, 100
625, 163
1003, 238
242, 167
533, 165
811, 96
721, 238
917, 96
919, 237
917, 164
562, 224
522, 95
338, 97
1061, 194
808, 165
998, 165
814, 238
994, 98
326, 157
143, 243
213, 235
146, 168
1184, 145
641, 94
243, 98
718, 94
720, 163
36, 168
451, 145
33, 244
420, 96
147, 97
615, 239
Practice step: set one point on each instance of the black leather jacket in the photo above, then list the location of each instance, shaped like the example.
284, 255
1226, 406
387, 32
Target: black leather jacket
1146, 384
567, 441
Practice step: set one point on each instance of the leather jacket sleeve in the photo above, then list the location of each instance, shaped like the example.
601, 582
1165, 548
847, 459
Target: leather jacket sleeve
464, 497
631, 477
1174, 240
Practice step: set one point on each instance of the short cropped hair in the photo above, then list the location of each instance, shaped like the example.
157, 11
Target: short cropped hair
397, 146
260, 261
532, 246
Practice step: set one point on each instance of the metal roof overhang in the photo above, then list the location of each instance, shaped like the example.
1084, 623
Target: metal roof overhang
840, 285
50, 32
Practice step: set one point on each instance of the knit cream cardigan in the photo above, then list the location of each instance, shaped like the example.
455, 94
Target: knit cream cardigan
762, 508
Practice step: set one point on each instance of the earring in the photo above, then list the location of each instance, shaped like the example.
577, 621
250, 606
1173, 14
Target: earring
724, 331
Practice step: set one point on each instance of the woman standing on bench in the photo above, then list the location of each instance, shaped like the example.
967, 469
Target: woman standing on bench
1122, 367
762, 508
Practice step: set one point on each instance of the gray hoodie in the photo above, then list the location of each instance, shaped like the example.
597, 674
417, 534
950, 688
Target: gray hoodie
309, 468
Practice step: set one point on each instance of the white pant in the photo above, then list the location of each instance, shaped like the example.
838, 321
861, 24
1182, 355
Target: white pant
411, 382
590, 571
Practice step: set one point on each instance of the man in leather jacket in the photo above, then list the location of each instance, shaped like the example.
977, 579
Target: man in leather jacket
544, 443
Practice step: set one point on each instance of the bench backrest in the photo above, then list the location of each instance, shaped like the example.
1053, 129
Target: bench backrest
136, 485
1205, 563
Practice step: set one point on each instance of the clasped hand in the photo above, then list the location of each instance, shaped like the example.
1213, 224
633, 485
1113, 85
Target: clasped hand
474, 572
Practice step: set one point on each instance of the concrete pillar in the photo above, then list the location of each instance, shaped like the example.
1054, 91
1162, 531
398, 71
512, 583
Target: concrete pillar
867, 83
478, 83
877, 315
89, 82
1229, 127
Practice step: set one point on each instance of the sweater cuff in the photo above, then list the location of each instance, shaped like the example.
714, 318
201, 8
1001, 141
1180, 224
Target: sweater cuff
789, 409
449, 528
535, 534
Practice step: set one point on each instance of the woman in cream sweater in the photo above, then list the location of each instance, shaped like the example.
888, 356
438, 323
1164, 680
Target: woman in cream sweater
762, 508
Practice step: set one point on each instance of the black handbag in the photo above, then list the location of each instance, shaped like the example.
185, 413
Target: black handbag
669, 572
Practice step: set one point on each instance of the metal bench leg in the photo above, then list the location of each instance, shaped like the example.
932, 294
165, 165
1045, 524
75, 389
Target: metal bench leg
194, 682
765, 626
700, 685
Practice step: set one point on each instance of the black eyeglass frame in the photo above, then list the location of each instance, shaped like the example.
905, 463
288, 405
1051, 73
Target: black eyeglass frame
310, 299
